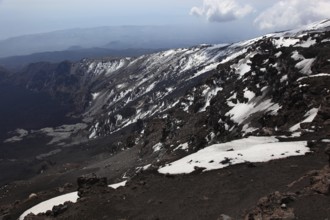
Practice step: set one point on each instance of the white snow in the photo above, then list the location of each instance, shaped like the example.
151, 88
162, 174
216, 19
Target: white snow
150, 87
296, 134
168, 53
146, 167
284, 78
117, 185
242, 111
296, 56
95, 95
121, 86
316, 25
248, 42
307, 43
305, 66
209, 95
285, 42
325, 140
278, 54
249, 94
251, 149
61, 133
20, 134
207, 68
94, 131
309, 117
157, 147
183, 146
106, 67
48, 204
233, 56
247, 129
242, 69
93, 134
315, 75
325, 40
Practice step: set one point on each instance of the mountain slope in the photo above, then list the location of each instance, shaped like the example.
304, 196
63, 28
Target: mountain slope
18, 62
201, 107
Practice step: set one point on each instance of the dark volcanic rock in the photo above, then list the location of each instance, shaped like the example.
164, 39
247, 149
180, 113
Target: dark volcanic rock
91, 184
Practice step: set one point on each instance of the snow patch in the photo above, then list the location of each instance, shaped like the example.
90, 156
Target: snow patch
315, 75
184, 147
205, 70
242, 111
157, 147
95, 95
284, 78
278, 54
251, 149
94, 130
325, 40
285, 42
325, 140
249, 94
146, 167
307, 43
309, 117
242, 67
233, 56
296, 56
247, 129
48, 204
117, 185
305, 66
69, 197
20, 134
209, 95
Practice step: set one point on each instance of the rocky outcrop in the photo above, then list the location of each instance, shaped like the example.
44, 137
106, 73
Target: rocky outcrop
91, 184
282, 205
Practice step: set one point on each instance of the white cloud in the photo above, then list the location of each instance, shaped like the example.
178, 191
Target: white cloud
221, 10
287, 14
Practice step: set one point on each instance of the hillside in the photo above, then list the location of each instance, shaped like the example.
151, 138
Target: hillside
231, 131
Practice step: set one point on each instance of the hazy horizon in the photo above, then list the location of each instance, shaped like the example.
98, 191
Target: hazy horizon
18, 17
49, 25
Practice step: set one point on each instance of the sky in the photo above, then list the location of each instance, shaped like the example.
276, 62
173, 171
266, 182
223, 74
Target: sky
242, 18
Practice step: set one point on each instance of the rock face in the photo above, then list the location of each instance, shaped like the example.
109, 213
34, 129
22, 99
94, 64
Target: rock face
273, 206
320, 181
282, 205
91, 184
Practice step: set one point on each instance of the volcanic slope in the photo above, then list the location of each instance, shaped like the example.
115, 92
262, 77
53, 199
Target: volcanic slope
203, 108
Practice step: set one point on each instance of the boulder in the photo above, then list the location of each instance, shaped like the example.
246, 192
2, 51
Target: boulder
91, 184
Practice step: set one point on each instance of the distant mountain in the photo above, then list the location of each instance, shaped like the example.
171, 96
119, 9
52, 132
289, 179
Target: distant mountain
74, 53
116, 37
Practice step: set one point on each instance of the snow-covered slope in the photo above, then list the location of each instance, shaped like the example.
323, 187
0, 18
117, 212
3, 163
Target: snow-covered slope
200, 95
151, 85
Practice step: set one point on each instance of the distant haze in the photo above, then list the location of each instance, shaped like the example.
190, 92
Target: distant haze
152, 23
120, 37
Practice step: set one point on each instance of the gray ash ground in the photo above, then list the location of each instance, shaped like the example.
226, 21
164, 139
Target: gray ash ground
236, 191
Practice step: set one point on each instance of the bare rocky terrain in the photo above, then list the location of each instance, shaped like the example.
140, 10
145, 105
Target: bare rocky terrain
110, 120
